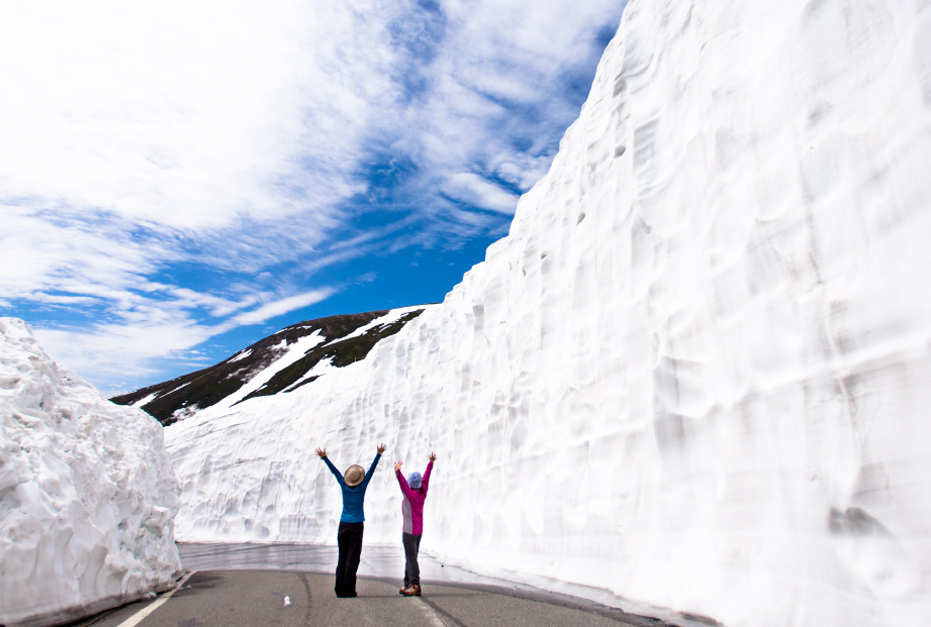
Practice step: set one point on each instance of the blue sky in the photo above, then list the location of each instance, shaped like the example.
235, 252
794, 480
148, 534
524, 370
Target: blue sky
180, 179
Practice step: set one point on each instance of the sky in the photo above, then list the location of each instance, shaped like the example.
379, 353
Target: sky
179, 179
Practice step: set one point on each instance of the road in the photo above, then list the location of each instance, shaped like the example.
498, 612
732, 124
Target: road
246, 598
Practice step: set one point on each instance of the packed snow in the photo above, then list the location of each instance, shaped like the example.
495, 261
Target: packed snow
87, 494
697, 372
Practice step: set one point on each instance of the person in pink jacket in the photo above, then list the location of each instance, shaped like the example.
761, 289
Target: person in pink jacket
414, 489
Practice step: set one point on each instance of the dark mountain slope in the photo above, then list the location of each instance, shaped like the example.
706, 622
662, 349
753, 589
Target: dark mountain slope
172, 400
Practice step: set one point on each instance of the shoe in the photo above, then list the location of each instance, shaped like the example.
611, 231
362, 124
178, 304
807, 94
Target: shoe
403, 590
412, 591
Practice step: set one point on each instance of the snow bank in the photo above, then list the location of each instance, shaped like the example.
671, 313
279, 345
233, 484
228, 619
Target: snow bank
87, 494
696, 374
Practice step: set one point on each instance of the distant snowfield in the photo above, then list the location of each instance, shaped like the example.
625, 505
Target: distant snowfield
697, 372
87, 494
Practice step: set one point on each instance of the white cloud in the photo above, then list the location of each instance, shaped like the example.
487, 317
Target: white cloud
149, 331
40, 252
143, 138
281, 307
190, 114
115, 354
473, 189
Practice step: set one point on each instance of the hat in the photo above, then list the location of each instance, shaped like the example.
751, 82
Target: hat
354, 475
414, 479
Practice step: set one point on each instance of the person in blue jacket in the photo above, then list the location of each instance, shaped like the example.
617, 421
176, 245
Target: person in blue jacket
349, 537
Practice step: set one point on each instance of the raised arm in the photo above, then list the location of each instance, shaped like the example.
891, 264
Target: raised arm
333, 469
425, 482
368, 476
405, 489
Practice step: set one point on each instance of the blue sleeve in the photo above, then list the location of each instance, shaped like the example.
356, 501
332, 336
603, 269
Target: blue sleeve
371, 471
336, 473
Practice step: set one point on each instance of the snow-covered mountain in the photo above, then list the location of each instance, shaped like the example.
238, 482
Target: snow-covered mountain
87, 495
697, 372
295, 356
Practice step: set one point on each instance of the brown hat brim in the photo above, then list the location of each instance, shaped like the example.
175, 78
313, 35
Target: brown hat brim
354, 475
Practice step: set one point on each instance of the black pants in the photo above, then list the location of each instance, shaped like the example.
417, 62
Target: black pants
349, 539
411, 567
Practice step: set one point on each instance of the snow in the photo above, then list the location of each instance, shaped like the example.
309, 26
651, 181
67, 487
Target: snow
696, 373
290, 353
240, 355
321, 368
389, 318
87, 494
145, 400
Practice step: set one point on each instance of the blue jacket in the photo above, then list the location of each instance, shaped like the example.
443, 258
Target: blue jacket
353, 496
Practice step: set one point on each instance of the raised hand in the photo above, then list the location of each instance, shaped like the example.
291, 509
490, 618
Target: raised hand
432, 457
321, 452
397, 465
382, 448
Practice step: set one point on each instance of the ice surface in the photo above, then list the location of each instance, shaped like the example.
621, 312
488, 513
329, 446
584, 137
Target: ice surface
697, 372
87, 495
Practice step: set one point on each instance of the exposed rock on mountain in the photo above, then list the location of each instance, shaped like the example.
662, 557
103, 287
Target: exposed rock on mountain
295, 356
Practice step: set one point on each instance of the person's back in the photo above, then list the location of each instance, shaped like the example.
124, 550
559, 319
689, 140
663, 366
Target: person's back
351, 527
414, 489
414, 498
353, 495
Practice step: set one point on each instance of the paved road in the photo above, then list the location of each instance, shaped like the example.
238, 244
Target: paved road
233, 598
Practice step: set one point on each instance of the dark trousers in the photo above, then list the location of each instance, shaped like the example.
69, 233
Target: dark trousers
349, 539
411, 567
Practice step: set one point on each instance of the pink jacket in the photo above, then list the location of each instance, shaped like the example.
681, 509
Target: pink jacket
412, 507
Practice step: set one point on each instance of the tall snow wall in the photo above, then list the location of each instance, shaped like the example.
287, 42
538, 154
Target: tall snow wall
87, 494
696, 373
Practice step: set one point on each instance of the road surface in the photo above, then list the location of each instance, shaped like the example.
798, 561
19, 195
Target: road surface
234, 598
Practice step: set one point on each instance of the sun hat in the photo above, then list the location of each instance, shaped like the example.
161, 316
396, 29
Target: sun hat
354, 475
414, 479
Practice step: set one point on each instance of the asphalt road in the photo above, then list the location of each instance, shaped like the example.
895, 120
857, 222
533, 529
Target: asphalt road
251, 598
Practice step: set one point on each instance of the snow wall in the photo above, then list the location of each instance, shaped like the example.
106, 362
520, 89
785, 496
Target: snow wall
87, 494
697, 372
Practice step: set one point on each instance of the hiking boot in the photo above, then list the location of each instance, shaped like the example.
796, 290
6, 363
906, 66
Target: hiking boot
403, 590
412, 591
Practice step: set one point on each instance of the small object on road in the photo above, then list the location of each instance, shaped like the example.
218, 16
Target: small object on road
287, 601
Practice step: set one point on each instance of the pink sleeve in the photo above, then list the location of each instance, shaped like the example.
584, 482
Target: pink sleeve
425, 482
405, 489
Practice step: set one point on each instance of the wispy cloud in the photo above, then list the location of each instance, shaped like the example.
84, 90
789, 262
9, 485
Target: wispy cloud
283, 306
478, 191
182, 168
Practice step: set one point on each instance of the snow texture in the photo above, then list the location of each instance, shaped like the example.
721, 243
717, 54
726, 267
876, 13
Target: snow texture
87, 494
697, 372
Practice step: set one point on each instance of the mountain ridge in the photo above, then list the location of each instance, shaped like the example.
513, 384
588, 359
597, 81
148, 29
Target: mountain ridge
343, 339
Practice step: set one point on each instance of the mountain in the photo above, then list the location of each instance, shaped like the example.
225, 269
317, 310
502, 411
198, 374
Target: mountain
695, 373
295, 356
87, 493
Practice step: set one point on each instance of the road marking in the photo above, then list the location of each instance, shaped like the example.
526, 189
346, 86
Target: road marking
139, 616
431, 615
